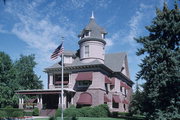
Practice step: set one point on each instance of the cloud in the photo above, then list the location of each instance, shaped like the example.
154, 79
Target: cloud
2, 30
37, 30
109, 42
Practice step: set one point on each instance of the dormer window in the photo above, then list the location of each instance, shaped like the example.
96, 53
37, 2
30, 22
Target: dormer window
87, 33
103, 36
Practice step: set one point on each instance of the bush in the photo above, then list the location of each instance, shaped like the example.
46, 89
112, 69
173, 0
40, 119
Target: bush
3, 114
58, 113
9, 111
97, 111
18, 114
9, 107
28, 113
70, 112
124, 114
114, 114
52, 118
103, 110
36, 112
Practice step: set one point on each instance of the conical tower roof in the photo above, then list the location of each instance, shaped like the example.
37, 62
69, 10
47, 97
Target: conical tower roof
95, 30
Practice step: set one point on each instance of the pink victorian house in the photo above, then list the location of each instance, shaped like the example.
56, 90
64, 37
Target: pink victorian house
91, 77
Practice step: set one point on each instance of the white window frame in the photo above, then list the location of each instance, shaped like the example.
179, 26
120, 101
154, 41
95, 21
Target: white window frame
86, 51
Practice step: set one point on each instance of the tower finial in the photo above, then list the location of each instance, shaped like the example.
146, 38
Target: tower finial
92, 16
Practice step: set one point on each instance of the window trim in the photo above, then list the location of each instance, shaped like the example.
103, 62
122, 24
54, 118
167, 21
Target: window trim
86, 51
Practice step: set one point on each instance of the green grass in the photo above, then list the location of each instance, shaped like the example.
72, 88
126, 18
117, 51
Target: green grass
85, 118
91, 118
41, 119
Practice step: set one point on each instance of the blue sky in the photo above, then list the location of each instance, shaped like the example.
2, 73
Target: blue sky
36, 26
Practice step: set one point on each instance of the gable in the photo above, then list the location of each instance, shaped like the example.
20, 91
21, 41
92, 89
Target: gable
114, 61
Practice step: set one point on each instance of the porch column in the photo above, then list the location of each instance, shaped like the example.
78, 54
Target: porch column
64, 99
72, 99
59, 103
37, 99
51, 86
39, 102
21, 103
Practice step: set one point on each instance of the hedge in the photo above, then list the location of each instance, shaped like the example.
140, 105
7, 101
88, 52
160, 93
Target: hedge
11, 112
97, 111
3, 114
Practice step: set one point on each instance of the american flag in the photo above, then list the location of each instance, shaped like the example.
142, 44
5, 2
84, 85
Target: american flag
58, 51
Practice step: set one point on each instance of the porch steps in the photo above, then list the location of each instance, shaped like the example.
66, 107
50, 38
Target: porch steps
47, 112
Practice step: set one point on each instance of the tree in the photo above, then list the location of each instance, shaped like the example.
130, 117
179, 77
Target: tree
19, 75
25, 74
137, 100
7, 76
160, 68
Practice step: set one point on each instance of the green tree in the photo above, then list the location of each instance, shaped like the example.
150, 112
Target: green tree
7, 75
137, 100
25, 74
160, 67
19, 75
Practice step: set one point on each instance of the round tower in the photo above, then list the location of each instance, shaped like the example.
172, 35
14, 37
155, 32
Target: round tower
92, 42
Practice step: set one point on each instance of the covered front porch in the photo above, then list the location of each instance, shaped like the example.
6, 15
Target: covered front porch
45, 98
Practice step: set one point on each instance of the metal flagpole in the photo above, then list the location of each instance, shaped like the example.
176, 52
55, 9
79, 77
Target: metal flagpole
62, 83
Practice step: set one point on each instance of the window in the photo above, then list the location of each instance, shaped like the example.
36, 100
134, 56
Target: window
106, 88
115, 105
111, 87
87, 51
87, 33
124, 106
57, 78
121, 89
103, 36
83, 83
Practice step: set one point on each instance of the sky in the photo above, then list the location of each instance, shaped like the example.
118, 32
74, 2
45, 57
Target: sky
36, 27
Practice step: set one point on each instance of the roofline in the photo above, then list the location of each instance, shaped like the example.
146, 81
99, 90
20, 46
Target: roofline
91, 39
91, 66
129, 80
71, 67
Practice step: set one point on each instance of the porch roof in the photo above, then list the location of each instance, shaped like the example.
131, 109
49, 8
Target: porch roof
43, 91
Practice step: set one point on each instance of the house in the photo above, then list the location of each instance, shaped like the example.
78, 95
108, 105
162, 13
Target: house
91, 77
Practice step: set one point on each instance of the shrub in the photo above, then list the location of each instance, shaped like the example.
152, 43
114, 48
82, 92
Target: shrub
9, 107
58, 113
52, 118
28, 113
114, 114
18, 114
70, 112
36, 112
97, 111
103, 110
9, 111
124, 114
3, 114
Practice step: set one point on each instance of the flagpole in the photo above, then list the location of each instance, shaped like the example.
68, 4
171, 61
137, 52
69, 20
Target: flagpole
62, 83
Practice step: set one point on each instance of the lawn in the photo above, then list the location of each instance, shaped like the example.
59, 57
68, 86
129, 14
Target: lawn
91, 118
85, 118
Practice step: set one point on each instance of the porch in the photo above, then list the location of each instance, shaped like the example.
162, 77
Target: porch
45, 99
